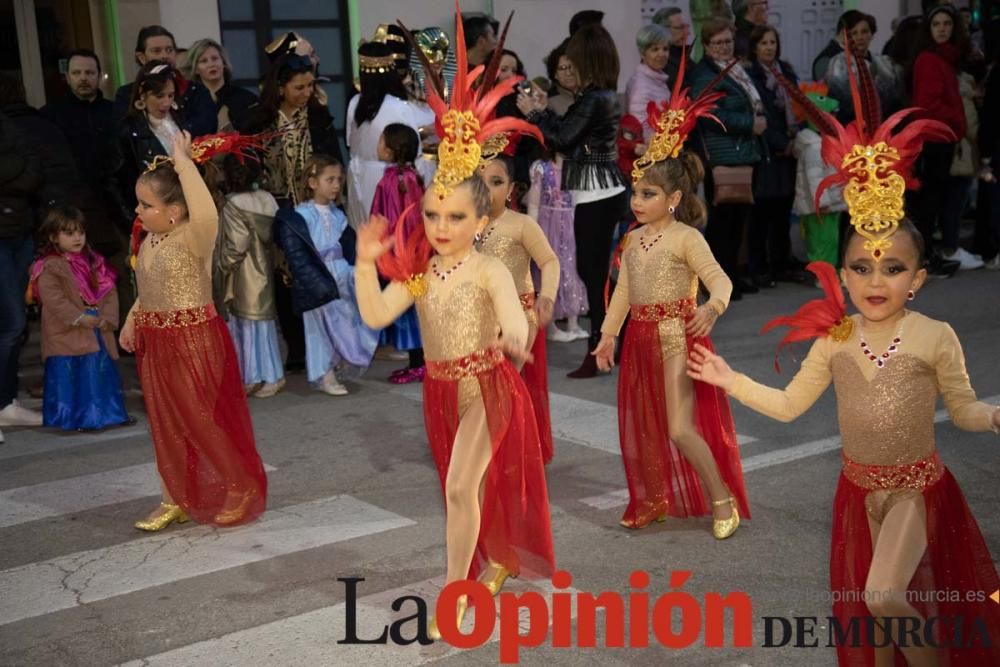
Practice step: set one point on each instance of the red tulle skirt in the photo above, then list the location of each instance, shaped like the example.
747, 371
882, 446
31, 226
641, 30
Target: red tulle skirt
953, 581
198, 415
660, 479
536, 378
514, 526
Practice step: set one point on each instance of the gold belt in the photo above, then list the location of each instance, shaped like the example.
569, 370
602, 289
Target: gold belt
470, 365
917, 475
654, 312
167, 319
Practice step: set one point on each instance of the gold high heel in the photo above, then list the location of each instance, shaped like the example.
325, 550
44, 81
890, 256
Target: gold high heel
171, 513
234, 514
644, 520
723, 528
432, 628
500, 575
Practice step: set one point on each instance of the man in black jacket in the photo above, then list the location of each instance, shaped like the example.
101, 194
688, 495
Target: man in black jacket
195, 104
673, 19
85, 118
20, 176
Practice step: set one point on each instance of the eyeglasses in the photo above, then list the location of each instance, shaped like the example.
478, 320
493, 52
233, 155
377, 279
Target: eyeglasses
726, 42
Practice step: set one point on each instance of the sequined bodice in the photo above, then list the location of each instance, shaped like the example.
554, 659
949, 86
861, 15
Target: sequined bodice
463, 317
888, 420
497, 242
170, 276
657, 275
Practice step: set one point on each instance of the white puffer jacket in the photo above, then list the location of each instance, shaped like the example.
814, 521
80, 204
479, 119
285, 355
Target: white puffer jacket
811, 170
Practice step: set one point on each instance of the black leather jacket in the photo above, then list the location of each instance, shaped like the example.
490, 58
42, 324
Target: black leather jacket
588, 135
135, 150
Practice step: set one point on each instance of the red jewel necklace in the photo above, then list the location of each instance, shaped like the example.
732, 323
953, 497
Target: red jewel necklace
880, 360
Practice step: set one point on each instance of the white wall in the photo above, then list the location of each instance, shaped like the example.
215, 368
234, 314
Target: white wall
190, 20
414, 14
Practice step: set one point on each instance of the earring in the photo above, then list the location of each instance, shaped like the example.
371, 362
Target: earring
911, 295
479, 237
172, 221
140, 105
671, 209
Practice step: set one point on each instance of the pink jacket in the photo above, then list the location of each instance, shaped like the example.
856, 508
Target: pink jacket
646, 85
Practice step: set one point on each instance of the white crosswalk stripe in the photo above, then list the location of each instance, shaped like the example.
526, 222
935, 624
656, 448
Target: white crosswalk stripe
67, 581
77, 494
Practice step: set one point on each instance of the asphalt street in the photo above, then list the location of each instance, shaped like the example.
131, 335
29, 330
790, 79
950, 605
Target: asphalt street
354, 494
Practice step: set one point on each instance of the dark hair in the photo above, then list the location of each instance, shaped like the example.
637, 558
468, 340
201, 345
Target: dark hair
146, 81
852, 17
165, 182
905, 226
552, 61
585, 18
151, 31
757, 34
480, 192
474, 28
403, 141
714, 26
684, 173
241, 175
518, 65
59, 218
315, 166
84, 53
595, 57
11, 90
508, 165
282, 70
959, 35
662, 16
375, 85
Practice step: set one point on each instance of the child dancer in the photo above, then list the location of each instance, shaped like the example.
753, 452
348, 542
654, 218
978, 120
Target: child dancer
476, 408
517, 241
315, 238
244, 266
400, 188
76, 289
900, 525
205, 451
677, 437
553, 209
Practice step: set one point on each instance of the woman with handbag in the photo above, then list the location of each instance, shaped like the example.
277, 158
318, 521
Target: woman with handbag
730, 152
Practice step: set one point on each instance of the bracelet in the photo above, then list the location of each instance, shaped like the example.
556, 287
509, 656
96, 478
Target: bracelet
79, 317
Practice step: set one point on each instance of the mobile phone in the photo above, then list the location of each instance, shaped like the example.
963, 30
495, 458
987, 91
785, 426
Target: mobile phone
525, 87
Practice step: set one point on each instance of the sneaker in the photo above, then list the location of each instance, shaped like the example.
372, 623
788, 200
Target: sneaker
579, 334
16, 414
993, 264
557, 335
252, 388
331, 386
409, 375
269, 389
966, 260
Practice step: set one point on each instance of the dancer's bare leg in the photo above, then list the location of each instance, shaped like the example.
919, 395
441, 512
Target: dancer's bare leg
680, 415
899, 545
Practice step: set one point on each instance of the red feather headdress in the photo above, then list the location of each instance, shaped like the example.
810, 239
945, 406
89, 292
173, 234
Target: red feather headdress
873, 162
407, 261
466, 125
674, 120
819, 317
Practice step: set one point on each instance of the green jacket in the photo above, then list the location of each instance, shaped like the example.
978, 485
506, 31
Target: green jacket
735, 144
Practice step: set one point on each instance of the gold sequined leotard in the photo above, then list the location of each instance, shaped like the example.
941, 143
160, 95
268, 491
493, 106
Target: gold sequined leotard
516, 240
886, 414
459, 315
174, 271
663, 268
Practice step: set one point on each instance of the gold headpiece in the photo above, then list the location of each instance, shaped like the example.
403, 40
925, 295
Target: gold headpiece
466, 124
673, 120
376, 64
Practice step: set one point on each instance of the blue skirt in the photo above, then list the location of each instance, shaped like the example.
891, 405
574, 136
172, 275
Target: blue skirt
404, 333
256, 343
83, 392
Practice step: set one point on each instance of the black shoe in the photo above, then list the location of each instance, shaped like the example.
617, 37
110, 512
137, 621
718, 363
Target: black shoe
764, 280
744, 286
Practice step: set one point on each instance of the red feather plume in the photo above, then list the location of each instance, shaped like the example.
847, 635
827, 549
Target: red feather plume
411, 253
816, 318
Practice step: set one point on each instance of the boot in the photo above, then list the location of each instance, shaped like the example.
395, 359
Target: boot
588, 368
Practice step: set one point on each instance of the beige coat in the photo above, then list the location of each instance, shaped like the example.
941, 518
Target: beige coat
244, 266
62, 305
